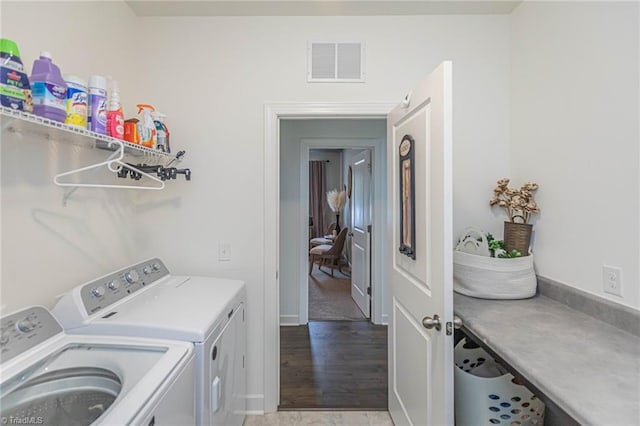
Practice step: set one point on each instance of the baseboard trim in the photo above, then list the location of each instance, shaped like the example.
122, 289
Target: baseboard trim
385, 319
255, 405
289, 320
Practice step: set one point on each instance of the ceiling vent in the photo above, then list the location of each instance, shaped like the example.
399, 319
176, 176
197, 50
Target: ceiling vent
336, 62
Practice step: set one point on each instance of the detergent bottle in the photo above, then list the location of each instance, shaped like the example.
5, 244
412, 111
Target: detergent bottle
15, 90
146, 127
49, 89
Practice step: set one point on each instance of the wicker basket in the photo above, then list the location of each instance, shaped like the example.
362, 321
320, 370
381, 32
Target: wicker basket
517, 236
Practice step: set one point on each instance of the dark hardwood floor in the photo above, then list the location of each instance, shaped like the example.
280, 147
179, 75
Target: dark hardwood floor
333, 364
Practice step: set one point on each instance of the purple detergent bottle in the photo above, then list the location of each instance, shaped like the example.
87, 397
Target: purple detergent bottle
48, 89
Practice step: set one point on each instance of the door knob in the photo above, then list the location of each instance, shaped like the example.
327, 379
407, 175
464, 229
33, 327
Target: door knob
430, 323
350, 234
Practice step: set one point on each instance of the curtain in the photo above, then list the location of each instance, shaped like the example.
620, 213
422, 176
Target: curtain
317, 197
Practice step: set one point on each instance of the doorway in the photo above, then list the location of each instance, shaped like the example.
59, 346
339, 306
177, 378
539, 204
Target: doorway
273, 314
322, 364
338, 283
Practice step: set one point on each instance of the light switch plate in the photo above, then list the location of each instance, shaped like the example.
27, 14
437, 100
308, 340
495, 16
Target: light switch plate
224, 251
612, 280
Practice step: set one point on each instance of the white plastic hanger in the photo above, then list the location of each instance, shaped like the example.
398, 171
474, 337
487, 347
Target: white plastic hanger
114, 165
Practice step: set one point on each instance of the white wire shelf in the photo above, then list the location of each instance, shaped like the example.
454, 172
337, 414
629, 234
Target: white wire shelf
29, 124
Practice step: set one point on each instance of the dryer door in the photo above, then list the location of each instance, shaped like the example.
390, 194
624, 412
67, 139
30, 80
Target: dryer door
227, 374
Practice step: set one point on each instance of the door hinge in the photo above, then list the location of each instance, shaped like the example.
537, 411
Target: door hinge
276, 275
369, 291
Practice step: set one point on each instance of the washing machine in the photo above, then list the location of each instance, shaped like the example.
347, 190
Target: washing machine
146, 300
48, 377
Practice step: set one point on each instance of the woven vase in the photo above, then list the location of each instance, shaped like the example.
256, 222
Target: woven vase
517, 236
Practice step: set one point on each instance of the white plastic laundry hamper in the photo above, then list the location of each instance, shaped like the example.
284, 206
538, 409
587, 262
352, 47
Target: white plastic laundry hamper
491, 400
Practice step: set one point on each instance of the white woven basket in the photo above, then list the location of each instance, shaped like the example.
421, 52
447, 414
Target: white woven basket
493, 278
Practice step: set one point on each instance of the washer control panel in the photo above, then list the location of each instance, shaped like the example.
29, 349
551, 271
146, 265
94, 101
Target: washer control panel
25, 329
105, 291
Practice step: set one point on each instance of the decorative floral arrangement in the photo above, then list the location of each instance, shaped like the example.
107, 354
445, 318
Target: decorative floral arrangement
518, 203
336, 200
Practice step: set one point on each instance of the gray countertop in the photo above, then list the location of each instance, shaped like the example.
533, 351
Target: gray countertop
588, 368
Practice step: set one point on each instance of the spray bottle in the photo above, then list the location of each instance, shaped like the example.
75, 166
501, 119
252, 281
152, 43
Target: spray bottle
146, 126
161, 131
115, 117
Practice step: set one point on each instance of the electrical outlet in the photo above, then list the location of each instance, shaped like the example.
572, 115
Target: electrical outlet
224, 251
612, 280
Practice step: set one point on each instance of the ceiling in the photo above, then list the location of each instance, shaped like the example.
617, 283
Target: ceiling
320, 7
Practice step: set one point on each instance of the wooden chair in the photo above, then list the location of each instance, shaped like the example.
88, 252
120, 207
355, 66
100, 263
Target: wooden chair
318, 241
328, 255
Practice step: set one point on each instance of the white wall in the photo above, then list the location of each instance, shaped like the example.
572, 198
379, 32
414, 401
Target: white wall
231, 66
48, 248
292, 132
575, 114
334, 177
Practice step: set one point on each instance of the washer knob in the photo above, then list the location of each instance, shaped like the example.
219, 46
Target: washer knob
26, 325
146, 270
113, 285
98, 291
4, 339
132, 276
155, 267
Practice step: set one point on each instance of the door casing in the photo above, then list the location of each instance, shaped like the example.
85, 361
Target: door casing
273, 113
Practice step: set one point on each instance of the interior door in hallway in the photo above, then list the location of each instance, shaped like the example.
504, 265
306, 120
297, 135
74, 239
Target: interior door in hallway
419, 268
360, 236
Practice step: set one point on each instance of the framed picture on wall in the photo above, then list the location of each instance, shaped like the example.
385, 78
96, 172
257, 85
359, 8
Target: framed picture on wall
407, 197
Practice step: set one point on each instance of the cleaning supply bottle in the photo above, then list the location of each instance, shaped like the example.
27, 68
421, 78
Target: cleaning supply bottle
49, 89
77, 101
97, 104
146, 126
162, 133
15, 90
115, 117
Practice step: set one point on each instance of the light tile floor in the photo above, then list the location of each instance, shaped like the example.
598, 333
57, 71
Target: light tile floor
321, 418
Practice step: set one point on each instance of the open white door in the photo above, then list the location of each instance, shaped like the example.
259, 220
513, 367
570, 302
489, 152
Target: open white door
360, 236
420, 279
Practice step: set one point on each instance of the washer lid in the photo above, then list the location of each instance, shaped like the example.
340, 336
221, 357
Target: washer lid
180, 308
120, 377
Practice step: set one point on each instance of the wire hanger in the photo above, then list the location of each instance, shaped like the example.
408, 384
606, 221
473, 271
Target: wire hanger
114, 165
